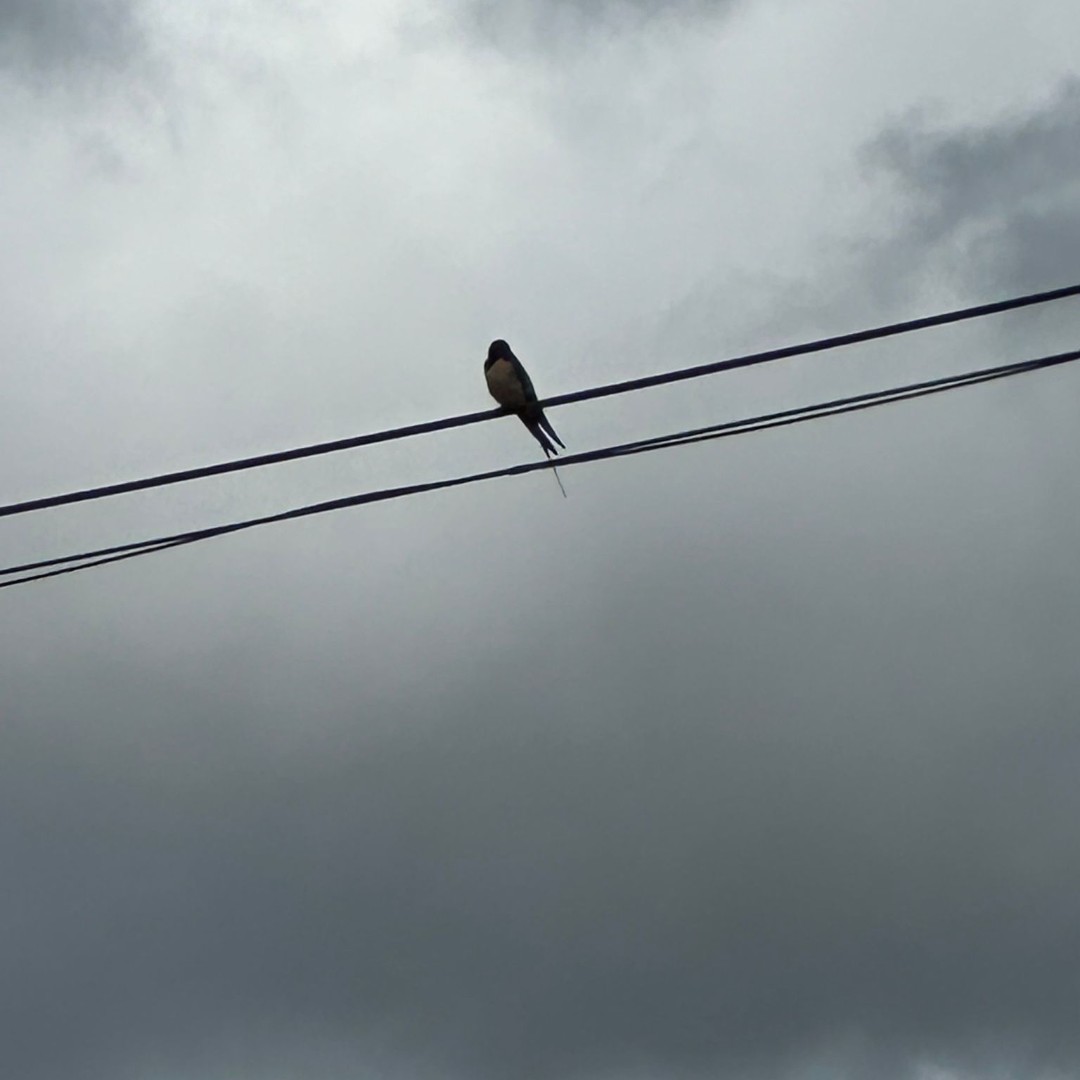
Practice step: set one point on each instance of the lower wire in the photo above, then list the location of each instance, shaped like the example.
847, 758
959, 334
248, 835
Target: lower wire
69, 564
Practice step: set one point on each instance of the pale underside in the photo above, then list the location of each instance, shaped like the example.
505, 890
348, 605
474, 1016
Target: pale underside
505, 386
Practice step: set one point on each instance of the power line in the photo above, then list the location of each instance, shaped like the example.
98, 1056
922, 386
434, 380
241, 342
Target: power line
608, 390
87, 559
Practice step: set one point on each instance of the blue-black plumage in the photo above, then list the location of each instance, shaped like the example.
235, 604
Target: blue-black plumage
510, 385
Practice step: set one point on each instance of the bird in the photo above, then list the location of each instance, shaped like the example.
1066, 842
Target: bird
509, 384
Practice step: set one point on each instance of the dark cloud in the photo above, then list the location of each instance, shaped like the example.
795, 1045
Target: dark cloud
754, 760
1000, 202
791, 777
61, 37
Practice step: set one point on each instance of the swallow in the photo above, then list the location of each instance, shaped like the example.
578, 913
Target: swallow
510, 385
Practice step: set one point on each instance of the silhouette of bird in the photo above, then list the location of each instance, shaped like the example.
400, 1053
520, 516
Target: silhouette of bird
509, 384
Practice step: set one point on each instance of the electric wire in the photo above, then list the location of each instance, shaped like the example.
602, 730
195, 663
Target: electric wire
85, 560
607, 390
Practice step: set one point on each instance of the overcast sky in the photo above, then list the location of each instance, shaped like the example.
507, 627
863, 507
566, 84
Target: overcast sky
755, 760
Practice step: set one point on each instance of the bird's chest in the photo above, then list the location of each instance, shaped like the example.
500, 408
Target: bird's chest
504, 385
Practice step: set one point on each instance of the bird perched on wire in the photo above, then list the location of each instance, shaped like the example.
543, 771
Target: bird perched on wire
510, 385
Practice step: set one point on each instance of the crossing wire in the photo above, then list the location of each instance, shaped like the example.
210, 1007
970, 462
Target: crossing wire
608, 390
85, 560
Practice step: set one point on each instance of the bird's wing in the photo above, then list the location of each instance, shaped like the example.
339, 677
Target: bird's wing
523, 375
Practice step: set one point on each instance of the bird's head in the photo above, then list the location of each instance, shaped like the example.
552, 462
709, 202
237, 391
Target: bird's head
498, 350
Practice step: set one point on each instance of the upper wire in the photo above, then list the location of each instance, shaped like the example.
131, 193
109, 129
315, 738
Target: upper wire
85, 560
608, 390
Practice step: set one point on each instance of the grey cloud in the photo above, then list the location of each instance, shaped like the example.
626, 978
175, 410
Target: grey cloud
57, 37
1001, 200
745, 761
535, 26
786, 799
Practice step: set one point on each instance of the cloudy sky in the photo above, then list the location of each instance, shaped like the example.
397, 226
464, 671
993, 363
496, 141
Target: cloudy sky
755, 760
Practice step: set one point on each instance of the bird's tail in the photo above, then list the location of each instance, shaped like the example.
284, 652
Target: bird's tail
545, 423
539, 428
558, 479
536, 429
